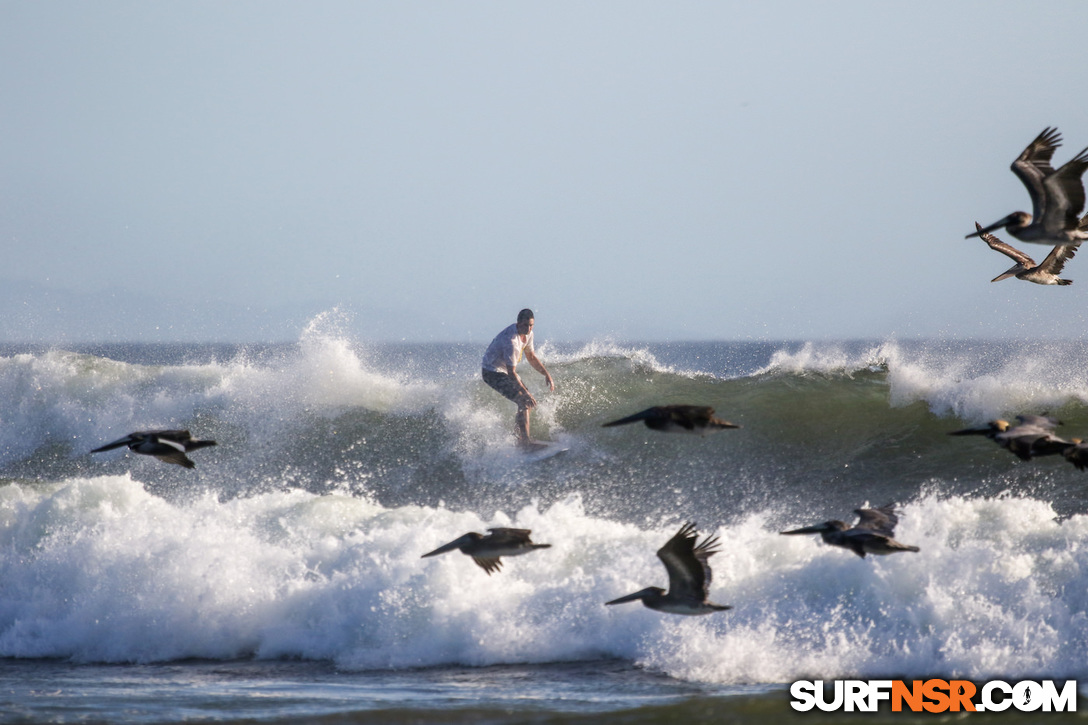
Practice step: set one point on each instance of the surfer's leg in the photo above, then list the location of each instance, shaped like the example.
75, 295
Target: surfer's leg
521, 428
505, 385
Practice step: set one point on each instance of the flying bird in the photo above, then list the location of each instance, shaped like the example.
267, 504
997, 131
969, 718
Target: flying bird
677, 419
689, 577
1025, 267
1032, 436
169, 446
486, 550
1057, 197
872, 534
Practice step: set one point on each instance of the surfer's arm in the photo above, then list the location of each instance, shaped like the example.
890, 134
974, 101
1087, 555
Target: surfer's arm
539, 367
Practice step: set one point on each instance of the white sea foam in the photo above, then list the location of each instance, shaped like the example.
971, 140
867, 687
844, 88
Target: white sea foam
828, 358
327, 374
97, 569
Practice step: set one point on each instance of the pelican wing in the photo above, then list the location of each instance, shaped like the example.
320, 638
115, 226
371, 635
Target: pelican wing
1024, 441
703, 552
864, 541
1077, 454
689, 573
882, 520
1050, 445
679, 417
1065, 194
688, 415
1059, 255
488, 564
1009, 251
1032, 167
164, 440
1043, 421
176, 457
509, 536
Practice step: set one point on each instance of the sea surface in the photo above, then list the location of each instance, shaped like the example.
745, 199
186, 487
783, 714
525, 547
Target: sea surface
281, 579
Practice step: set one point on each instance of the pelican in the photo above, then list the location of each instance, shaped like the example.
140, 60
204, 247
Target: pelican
169, 446
486, 550
1057, 197
1032, 436
1025, 267
872, 534
689, 577
677, 419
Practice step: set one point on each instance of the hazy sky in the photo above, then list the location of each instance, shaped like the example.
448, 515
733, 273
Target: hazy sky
631, 170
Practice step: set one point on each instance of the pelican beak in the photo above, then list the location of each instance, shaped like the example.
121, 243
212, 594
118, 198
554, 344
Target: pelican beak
643, 415
1011, 273
452, 546
629, 598
970, 432
996, 225
806, 530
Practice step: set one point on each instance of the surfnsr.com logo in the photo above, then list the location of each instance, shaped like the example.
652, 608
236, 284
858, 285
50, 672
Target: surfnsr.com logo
934, 695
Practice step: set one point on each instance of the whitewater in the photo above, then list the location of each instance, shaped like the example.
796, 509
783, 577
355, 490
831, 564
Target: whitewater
295, 543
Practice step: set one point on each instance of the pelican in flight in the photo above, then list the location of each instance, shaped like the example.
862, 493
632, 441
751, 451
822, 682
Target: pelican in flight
486, 550
872, 534
689, 577
1057, 197
677, 419
169, 446
1025, 267
1032, 436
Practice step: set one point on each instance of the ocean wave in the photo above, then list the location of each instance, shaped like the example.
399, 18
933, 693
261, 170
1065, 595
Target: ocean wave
972, 381
419, 425
973, 387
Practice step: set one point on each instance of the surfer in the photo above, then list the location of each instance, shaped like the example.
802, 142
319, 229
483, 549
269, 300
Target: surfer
500, 371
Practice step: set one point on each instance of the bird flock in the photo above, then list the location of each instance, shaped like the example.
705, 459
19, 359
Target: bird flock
1057, 199
686, 560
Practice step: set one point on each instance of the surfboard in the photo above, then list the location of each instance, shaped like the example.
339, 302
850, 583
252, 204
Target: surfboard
543, 450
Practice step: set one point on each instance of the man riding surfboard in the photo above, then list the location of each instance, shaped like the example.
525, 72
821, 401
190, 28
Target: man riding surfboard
500, 372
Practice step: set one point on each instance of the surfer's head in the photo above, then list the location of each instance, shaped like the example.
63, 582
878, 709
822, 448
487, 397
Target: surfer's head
525, 321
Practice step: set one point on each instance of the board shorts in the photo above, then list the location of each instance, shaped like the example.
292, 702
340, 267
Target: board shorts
503, 383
